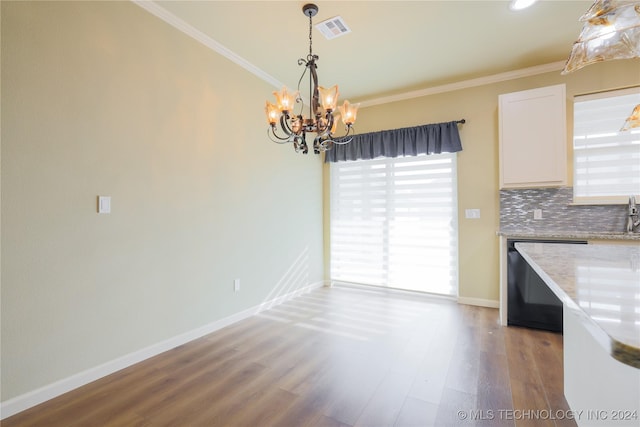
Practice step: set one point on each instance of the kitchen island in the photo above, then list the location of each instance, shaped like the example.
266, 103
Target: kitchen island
599, 286
516, 234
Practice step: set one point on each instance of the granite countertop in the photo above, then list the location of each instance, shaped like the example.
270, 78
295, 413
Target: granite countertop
572, 234
600, 281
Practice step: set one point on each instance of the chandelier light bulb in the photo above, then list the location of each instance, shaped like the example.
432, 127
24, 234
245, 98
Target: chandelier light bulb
349, 113
296, 124
334, 126
602, 27
608, 32
285, 100
272, 113
329, 97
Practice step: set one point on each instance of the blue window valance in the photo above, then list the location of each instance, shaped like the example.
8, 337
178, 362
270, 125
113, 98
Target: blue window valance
412, 141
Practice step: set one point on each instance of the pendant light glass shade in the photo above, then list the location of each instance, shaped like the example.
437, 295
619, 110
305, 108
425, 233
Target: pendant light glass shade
328, 97
272, 113
633, 121
611, 31
285, 100
349, 112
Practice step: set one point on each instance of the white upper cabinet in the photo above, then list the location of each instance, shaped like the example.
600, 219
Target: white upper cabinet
533, 138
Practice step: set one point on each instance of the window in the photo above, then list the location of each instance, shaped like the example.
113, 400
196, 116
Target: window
394, 223
606, 161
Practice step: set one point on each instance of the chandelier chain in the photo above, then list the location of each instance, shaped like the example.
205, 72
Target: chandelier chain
310, 38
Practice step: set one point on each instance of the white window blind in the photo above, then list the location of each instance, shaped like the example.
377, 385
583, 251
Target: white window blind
394, 223
606, 161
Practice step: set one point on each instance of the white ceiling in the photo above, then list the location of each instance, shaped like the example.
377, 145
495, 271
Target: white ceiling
395, 47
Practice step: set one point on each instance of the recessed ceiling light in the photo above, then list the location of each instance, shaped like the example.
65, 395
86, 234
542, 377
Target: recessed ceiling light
520, 4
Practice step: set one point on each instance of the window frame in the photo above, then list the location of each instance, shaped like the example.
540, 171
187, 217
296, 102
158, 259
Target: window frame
388, 269
600, 199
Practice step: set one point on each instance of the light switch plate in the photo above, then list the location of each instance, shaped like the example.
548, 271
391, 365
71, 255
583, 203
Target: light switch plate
104, 204
472, 213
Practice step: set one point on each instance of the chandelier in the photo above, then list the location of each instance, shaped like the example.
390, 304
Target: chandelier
286, 126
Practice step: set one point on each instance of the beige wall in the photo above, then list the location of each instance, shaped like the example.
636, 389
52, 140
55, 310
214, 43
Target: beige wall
102, 98
478, 162
105, 99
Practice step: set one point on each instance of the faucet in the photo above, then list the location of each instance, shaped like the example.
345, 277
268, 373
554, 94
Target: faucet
632, 219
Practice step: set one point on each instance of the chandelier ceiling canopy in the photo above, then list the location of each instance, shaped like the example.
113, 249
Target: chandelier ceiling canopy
285, 125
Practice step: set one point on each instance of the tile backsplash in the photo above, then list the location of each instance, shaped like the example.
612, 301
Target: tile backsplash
517, 206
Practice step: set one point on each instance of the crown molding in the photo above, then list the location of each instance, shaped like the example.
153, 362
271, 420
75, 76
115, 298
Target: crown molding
171, 19
466, 84
155, 9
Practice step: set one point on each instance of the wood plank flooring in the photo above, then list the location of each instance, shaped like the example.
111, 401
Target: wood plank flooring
340, 356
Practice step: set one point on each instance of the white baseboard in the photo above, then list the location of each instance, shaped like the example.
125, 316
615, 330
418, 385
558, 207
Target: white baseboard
479, 302
35, 397
394, 291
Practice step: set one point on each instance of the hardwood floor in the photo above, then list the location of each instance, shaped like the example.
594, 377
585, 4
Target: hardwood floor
338, 356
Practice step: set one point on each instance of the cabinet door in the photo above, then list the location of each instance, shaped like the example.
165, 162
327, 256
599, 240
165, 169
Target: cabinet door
533, 138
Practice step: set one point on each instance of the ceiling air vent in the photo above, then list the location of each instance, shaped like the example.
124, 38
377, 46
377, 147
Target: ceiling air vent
333, 27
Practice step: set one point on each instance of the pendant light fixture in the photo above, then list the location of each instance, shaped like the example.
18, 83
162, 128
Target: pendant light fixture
633, 121
611, 31
286, 126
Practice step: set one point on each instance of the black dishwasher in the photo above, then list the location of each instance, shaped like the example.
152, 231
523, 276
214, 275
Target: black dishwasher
530, 301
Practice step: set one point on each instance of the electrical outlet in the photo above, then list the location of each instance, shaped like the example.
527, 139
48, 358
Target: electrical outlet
236, 285
537, 214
